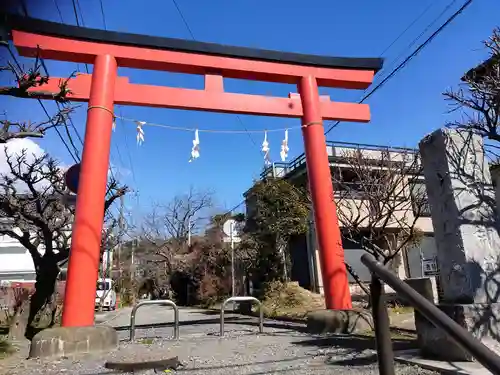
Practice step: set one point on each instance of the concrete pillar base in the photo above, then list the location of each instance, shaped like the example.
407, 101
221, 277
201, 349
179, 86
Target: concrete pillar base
339, 321
69, 341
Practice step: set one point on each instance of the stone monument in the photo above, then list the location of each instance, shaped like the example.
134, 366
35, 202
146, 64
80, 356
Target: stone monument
466, 230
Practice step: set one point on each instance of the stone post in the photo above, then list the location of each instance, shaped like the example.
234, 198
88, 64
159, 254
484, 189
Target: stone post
463, 208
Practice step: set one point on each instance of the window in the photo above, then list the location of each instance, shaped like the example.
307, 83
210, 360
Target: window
419, 199
346, 180
103, 285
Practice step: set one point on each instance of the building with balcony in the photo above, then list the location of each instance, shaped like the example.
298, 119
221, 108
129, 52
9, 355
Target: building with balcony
303, 249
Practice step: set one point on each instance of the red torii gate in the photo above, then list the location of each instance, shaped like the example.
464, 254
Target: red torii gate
107, 50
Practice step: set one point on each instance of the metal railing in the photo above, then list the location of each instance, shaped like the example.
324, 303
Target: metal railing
382, 328
299, 160
156, 302
241, 299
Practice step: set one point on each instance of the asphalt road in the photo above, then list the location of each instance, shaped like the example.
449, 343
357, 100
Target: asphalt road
282, 348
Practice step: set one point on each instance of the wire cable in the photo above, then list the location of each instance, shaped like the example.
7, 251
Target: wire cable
414, 41
75, 158
409, 27
16, 61
78, 24
102, 15
193, 37
76, 10
58, 10
411, 56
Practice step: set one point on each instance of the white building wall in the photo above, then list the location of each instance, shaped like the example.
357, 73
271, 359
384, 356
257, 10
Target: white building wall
16, 264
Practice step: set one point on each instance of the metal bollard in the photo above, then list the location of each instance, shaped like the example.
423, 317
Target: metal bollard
383, 340
156, 302
241, 299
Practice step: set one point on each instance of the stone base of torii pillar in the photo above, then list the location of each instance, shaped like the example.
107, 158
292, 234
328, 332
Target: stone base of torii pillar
466, 230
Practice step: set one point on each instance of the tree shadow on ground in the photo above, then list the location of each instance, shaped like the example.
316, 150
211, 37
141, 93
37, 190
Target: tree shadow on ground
237, 366
358, 342
357, 348
239, 320
216, 311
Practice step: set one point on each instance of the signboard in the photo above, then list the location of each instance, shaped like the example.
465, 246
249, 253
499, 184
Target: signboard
231, 231
72, 177
229, 228
430, 267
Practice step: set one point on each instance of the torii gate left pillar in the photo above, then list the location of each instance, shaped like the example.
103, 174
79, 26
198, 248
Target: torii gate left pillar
108, 50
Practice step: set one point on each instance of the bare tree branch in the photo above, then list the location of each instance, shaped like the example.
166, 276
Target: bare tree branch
28, 85
478, 97
378, 203
166, 230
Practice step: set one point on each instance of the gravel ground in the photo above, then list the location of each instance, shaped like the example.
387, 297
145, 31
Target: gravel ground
240, 351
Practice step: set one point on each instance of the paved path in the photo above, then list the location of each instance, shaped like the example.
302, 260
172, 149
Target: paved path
283, 348
191, 321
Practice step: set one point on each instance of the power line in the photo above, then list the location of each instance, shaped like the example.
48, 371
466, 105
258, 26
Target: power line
102, 15
75, 158
68, 132
81, 12
77, 9
408, 27
129, 154
411, 56
429, 26
58, 10
193, 37
74, 3
16, 61
225, 213
399, 67
183, 19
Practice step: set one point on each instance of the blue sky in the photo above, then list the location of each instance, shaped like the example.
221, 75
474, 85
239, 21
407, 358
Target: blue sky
403, 111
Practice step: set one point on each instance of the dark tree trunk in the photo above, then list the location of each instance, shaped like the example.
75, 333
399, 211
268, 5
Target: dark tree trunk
45, 287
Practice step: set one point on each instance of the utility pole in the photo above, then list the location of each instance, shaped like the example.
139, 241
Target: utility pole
132, 261
232, 260
132, 269
121, 230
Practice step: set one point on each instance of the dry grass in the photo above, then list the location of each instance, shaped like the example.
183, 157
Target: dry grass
290, 301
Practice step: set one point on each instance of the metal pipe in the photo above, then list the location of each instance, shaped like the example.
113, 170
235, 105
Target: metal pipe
462, 337
156, 302
241, 299
383, 340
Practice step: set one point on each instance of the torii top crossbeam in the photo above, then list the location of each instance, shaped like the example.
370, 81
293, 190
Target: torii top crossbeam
56, 41
108, 50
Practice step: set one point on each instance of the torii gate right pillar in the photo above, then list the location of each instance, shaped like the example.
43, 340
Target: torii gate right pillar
333, 269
